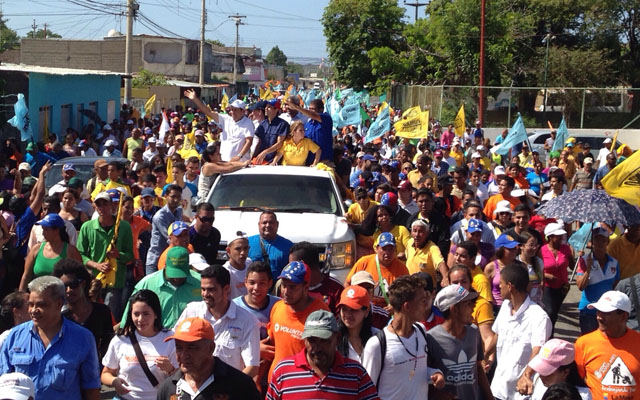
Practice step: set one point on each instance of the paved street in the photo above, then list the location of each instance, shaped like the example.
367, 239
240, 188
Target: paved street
567, 326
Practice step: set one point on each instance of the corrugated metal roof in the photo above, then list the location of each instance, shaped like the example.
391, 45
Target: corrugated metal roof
55, 71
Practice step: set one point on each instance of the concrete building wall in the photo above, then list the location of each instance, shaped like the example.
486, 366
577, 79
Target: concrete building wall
59, 97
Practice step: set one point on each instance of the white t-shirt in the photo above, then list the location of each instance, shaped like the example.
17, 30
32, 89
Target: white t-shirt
122, 357
299, 117
237, 279
405, 376
237, 333
148, 154
602, 157
539, 389
517, 334
233, 136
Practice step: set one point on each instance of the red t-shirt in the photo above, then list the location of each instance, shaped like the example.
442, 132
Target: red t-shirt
329, 291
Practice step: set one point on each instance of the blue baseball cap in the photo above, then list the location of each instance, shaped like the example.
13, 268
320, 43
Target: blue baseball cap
147, 192
386, 239
395, 164
51, 221
507, 241
368, 157
296, 272
474, 225
114, 194
68, 167
177, 228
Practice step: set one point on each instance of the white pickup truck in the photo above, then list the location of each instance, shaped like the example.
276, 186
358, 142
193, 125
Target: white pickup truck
307, 204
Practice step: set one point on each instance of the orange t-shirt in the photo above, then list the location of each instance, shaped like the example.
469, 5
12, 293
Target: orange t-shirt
162, 261
492, 202
285, 329
389, 274
610, 367
522, 182
138, 224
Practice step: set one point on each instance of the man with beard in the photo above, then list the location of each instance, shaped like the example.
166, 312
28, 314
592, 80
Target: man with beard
340, 377
289, 314
237, 336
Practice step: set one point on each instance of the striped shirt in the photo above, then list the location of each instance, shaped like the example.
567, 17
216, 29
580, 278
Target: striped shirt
294, 379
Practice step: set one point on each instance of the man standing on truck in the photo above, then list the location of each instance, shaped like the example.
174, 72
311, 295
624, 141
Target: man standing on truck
268, 246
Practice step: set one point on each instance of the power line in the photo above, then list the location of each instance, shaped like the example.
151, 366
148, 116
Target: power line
276, 11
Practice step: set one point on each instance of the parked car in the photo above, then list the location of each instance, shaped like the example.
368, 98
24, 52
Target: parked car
595, 140
307, 204
83, 166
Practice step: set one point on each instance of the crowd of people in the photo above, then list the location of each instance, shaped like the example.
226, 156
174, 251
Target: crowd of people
455, 292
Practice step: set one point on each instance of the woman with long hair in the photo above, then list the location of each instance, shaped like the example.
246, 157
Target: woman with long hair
535, 267
354, 321
506, 253
212, 166
143, 328
296, 148
14, 310
41, 259
69, 213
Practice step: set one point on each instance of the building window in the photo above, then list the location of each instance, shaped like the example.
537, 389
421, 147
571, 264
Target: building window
79, 117
44, 122
111, 110
65, 118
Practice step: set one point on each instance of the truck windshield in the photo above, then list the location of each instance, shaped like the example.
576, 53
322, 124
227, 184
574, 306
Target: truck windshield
275, 192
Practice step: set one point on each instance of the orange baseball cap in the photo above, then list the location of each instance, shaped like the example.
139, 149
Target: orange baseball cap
355, 297
192, 330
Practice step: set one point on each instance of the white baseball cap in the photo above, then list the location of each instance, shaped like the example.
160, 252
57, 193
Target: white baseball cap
238, 104
611, 301
607, 141
24, 166
554, 229
197, 261
152, 139
16, 386
107, 127
476, 155
451, 295
503, 206
362, 277
109, 143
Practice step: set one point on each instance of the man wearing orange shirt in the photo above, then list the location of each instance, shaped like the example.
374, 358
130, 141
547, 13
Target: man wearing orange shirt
288, 315
178, 236
383, 266
505, 186
609, 358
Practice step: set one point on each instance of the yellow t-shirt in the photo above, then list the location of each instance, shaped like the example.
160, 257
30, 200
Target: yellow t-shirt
400, 233
482, 311
458, 156
132, 144
296, 154
481, 283
627, 255
425, 259
356, 213
415, 175
102, 187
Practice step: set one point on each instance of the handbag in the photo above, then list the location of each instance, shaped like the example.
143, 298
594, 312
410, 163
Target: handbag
141, 359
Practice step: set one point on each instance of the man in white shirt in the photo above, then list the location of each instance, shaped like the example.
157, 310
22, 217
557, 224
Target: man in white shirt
292, 115
238, 251
237, 130
405, 200
603, 153
151, 150
401, 371
237, 333
521, 328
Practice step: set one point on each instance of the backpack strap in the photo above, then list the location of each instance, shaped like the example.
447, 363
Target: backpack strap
383, 350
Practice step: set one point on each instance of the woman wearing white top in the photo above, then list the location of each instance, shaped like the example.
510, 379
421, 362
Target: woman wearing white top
122, 369
354, 322
212, 166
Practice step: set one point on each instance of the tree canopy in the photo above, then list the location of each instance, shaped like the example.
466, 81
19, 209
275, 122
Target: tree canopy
9, 38
276, 57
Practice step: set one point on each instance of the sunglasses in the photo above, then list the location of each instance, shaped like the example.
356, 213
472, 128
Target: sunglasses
73, 284
206, 219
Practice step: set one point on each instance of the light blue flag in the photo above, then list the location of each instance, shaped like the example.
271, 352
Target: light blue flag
256, 92
562, 135
278, 88
517, 134
579, 239
345, 93
21, 119
293, 91
379, 127
233, 98
350, 114
334, 111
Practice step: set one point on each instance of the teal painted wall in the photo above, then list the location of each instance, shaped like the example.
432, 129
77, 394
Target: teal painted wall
58, 90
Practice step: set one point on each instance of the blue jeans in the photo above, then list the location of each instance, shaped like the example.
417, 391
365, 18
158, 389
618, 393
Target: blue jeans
588, 322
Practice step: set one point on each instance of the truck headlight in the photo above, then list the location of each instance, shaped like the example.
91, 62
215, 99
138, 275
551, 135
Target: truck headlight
340, 255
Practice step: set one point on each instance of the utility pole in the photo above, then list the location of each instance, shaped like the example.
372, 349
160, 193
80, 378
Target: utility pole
238, 19
417, 4
481, 65
548, 37
202, 42
34, 26
45, 30
131, 7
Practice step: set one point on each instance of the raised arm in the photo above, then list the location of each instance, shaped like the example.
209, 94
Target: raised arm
191, 95
36, 203
305, 111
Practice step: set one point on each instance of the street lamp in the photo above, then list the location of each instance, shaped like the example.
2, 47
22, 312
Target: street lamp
547, 39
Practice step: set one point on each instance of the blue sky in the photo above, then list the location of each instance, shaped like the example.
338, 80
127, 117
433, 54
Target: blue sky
292, 25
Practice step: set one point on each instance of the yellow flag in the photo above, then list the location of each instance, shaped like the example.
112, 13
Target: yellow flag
169, 170
459, 123
261, 92
266, 95
416, 127
613, 144
412, 112
623, 181
148, 106
189, 141
225, 102
383, 105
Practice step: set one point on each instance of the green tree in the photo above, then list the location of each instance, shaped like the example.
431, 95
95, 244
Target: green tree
294, 68
40, 34
216, 42
276, 57
9, 38
354, 28
145, 78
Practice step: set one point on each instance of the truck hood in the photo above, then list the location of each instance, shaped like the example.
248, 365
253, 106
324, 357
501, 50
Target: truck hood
297, 227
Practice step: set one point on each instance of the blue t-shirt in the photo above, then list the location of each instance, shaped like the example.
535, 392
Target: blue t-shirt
60, 371
23, 229
277, 250
600, 281
320, 133
262, 314
536, 181
268, 133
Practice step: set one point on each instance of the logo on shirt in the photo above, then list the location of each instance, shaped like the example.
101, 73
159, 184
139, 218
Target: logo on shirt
460, 371
618, 375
